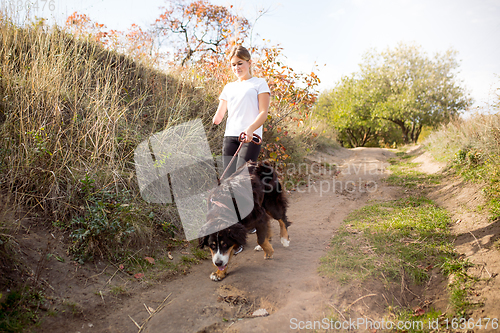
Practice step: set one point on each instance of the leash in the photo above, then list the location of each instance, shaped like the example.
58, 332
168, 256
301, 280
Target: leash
255, 140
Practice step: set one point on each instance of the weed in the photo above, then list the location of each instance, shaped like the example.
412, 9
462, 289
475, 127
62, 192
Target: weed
455, 266
404, 174
200, 254
19, 309
74, 308
102, 228
118, 290
188, 261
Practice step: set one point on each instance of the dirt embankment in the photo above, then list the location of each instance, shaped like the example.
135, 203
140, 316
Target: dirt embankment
474, 234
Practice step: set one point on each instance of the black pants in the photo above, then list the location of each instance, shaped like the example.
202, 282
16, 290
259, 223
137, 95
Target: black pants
248, 152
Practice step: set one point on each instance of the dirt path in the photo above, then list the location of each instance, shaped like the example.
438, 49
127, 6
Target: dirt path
288, 286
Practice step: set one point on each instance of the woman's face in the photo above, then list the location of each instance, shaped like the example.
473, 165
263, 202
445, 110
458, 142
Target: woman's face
241, 68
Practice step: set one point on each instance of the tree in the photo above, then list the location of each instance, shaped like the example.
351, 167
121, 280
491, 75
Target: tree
201, 28
403, 86
413, 90
348, 108
135, 42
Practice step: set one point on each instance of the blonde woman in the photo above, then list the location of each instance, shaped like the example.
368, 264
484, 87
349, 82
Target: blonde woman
246, 101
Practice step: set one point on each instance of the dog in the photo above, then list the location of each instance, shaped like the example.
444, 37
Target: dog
269, 200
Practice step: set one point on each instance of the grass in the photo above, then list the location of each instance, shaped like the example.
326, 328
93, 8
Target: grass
403, 173
20, 308
72, 114
397, 239
472, 148
118, 290
200, 254
401, 240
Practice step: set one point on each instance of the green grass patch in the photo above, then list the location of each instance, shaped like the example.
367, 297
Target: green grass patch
402, 239
406, 236
200, 254
403, 174
118, 290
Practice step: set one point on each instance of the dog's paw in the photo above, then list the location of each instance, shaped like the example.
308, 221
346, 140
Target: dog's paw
285, 242
215, 277
258, 248
268, 256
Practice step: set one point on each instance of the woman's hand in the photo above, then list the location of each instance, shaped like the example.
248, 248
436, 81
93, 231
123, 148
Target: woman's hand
248, 137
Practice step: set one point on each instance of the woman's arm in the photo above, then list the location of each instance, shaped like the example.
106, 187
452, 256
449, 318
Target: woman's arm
264, 100
221, 111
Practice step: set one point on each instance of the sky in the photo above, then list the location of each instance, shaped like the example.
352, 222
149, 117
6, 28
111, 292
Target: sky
330, 37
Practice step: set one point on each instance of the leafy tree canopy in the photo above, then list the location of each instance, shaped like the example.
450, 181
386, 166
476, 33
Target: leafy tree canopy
403, 86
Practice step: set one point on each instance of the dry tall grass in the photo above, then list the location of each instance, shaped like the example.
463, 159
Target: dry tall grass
472, 146
480, 132
71, 110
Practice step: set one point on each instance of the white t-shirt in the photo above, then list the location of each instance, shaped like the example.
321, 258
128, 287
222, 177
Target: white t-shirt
243, 104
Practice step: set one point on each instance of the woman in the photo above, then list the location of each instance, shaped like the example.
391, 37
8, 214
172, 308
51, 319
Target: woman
247, 103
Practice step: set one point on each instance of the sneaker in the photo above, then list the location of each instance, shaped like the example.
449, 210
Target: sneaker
253, 231
238, 250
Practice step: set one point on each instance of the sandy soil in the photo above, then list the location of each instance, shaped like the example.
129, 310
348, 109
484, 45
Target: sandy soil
287, 287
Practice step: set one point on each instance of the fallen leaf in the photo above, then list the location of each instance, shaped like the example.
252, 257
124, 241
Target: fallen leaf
170, 256
121, 267
150, 260
139, 275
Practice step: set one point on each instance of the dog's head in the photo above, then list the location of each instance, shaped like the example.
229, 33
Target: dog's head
222, 242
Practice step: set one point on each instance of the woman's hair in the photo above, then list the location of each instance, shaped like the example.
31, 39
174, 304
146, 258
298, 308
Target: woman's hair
239, 51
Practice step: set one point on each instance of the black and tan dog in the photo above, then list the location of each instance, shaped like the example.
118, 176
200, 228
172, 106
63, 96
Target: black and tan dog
266, 198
